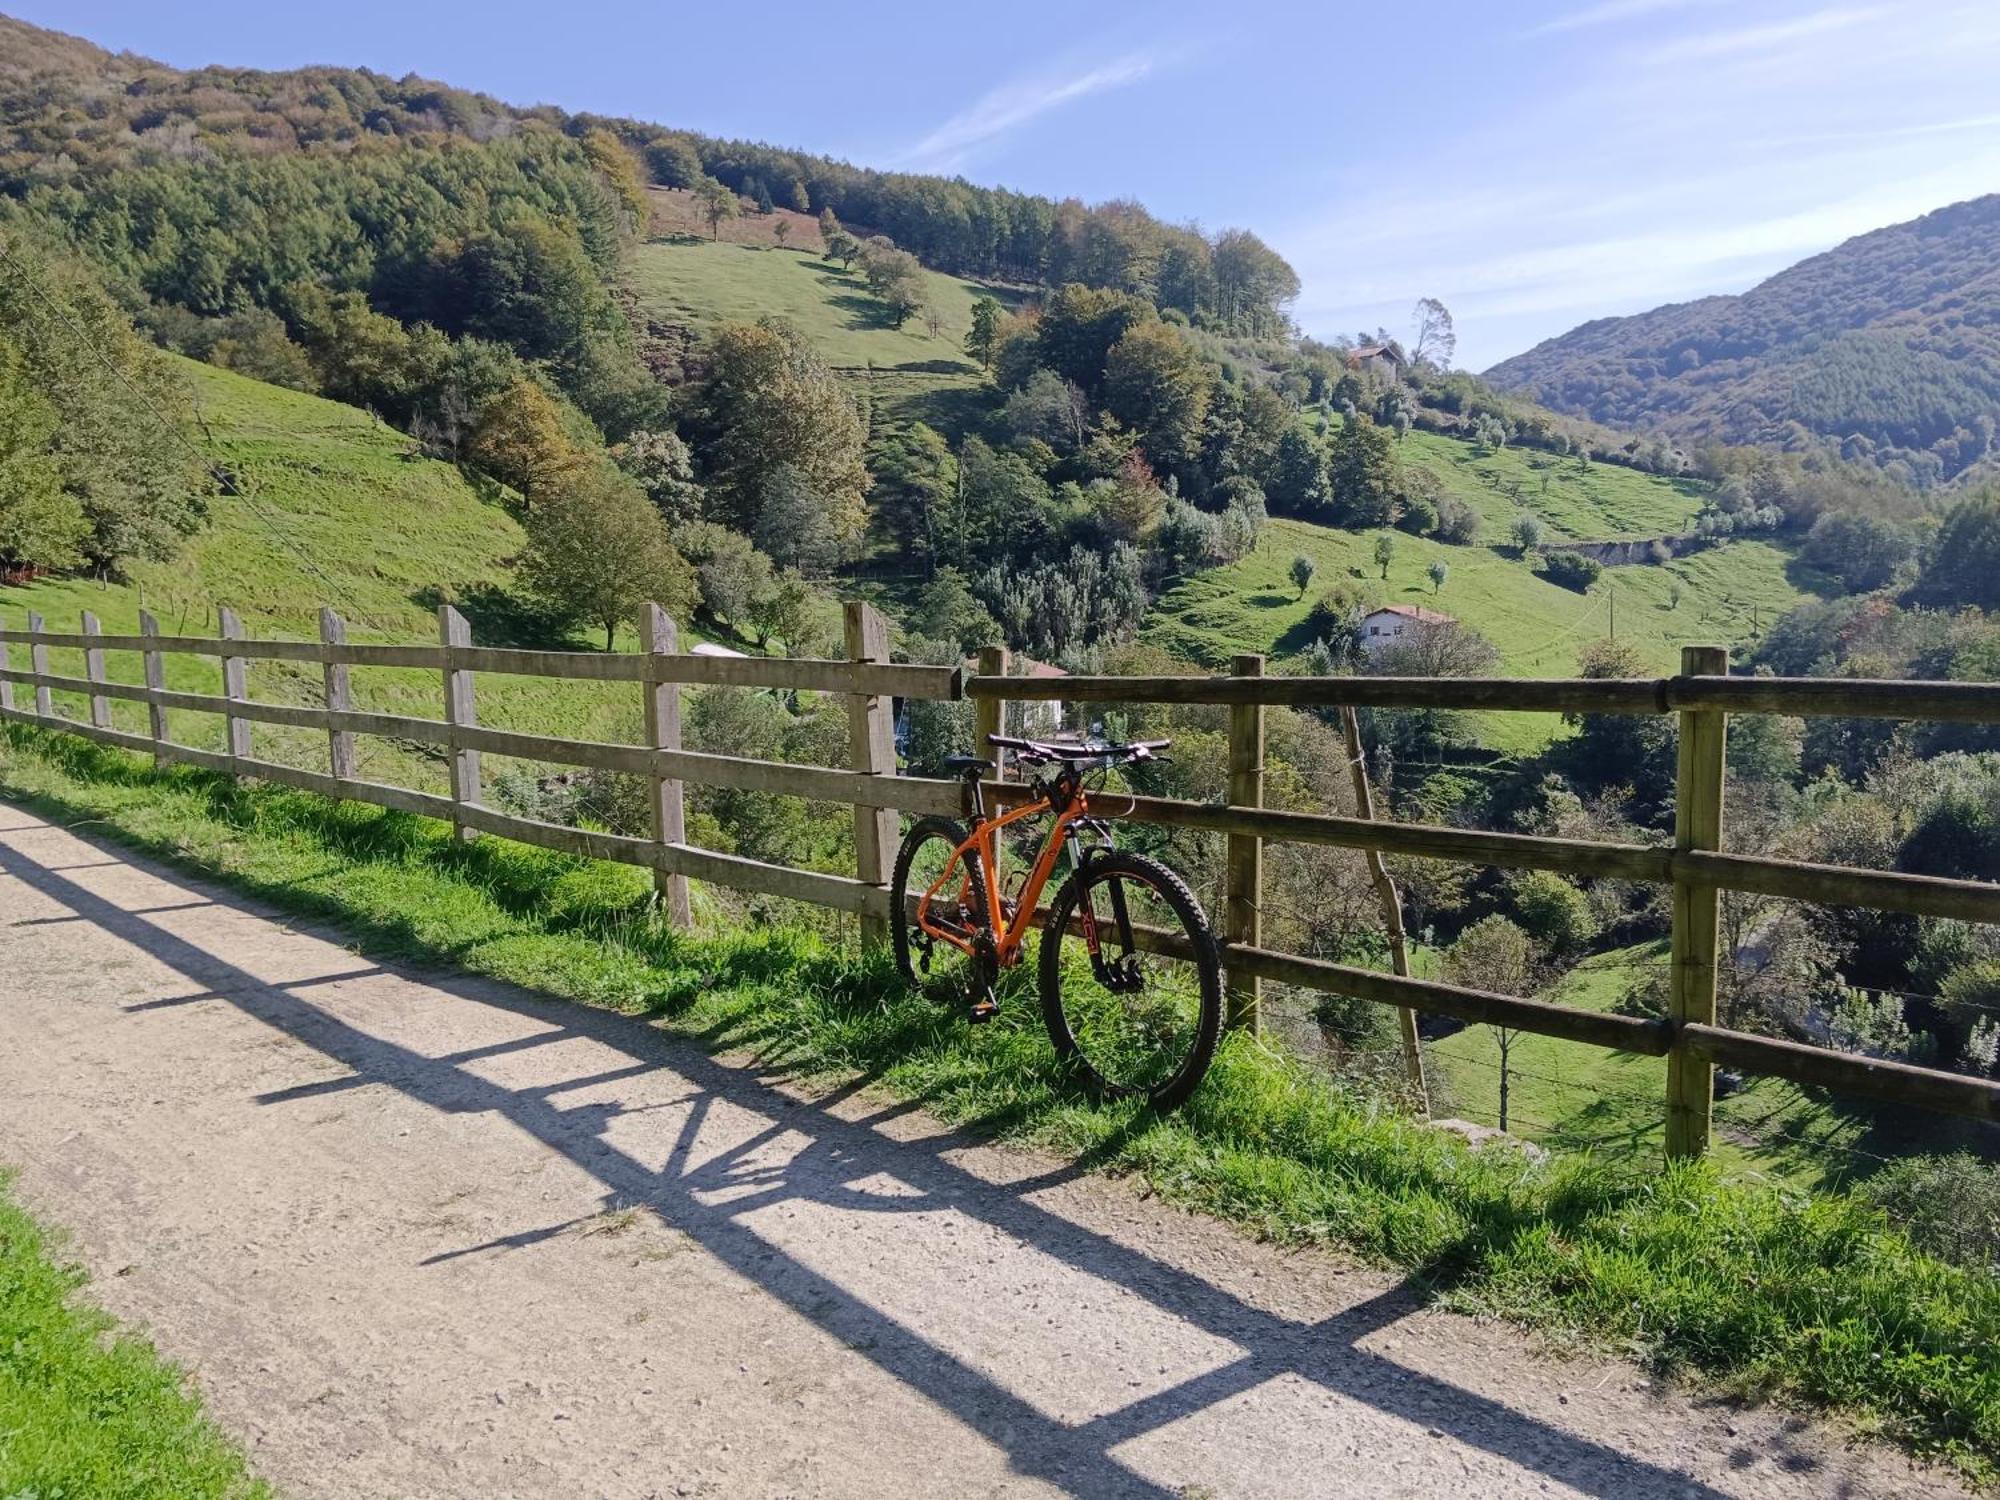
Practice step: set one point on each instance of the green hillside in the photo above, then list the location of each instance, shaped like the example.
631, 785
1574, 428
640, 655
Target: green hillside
333, 510
1578, 501
1728, 594
702, 285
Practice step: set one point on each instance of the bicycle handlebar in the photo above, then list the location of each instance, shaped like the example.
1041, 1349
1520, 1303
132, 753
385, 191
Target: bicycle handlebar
1078, 750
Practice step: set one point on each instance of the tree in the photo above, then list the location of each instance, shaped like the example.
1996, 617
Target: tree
947, 610
916, 477
732, 574
1861, 550
1527, 533
1964, 566
597, 550
523, 441
1302, 571
664, 468
1436, 339
617, 167
1361, 472
1385, 552
1439, 572
1155, 384
1457, 523
779, 230
784, 610
896, 277
842, 246
983, 342
795, 525
674, 162
1554, 911
717, 203
769, 400
1298, 481
88, 472
1048, 409
1496, 956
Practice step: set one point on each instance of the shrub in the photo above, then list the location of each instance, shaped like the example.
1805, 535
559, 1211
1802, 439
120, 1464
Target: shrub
1551, 910
1572, 570
1948, 1205
1457, 522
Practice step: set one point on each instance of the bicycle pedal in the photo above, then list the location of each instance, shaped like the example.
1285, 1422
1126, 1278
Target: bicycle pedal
982, 1011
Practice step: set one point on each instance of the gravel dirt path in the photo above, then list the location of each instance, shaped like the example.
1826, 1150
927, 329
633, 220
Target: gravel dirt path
418, 1235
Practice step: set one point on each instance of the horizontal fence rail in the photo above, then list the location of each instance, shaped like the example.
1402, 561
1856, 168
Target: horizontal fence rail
1703, 695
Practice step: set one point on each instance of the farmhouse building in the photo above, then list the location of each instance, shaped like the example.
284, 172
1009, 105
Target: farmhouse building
1383, 361
1382, 627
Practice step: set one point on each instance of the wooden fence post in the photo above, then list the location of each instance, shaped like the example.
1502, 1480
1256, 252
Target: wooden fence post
93, 668
235, 686
871, 734
1697, 825
1243, 899
339, 690
6, 687
458, 710
663, 732
1392, 914
987, 713
155, 669
38, 663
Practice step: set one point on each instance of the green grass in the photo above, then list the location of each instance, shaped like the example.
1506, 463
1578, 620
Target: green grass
1810, 1296
84, 1409
333, 512
1578, 1098
702, 285
1728, 593
1582, 502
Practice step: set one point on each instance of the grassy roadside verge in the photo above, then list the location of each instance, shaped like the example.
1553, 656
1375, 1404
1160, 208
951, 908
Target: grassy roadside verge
84, 1410
1815, 1298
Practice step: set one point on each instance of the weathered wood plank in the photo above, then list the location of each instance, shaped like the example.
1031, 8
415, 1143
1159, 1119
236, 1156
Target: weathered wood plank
1844, 1072
235, 683
1513, 694
38, 666
871, 740
459, 714
338, 692
154, 668
1598, 1028
93, 671
659, 635
1840, 885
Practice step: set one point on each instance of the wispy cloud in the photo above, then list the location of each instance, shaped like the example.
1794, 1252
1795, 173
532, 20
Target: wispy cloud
1610, 12
1737, 41
1014, 103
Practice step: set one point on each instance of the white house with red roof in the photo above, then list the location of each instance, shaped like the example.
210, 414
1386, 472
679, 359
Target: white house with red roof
1382, 627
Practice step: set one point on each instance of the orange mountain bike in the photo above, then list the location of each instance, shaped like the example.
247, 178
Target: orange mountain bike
1130, 978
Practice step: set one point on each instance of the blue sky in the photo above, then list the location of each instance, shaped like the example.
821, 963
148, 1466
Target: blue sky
1533, 164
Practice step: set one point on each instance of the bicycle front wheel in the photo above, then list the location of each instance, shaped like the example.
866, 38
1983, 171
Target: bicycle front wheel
929, 863
1131, 983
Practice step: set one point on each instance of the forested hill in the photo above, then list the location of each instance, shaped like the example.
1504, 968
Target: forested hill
1887, 345
72, 112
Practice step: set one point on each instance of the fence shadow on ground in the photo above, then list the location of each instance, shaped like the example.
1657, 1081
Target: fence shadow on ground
709, 1196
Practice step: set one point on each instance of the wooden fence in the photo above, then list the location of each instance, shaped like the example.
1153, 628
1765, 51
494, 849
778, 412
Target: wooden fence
1696, 868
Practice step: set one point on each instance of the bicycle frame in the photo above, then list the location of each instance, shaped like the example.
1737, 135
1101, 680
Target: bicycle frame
985, 841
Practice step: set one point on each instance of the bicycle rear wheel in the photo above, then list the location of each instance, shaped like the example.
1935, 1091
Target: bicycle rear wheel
941, 969
1131, 1019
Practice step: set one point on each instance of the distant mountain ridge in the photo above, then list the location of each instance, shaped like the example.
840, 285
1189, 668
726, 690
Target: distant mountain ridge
1887, 346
